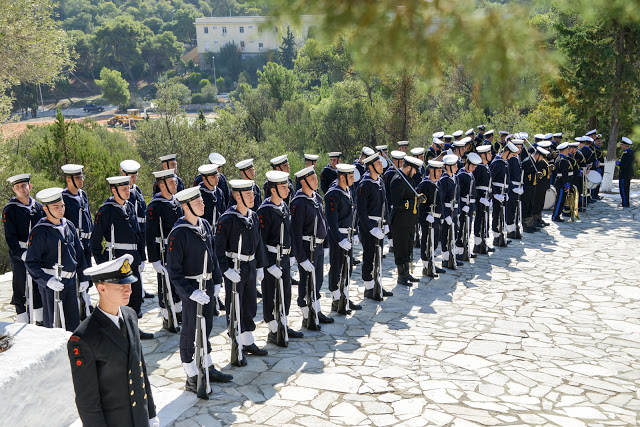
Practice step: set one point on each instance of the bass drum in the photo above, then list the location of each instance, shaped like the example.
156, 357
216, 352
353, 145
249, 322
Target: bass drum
550, 198
356, 175
593, 179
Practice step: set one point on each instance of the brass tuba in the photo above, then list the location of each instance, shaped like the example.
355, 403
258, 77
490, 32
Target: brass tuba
571, 204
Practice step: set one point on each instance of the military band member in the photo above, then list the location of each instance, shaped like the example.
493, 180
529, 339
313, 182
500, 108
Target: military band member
467, 189
190, 238
515, 186
19, 216
479, 139
543, 183
448, 141
403, 146
371, 206
169, 162
309, 160
110, 375
164, 209
212, 195
396, 158
55, 239
240, 220
563, 173
590, 158
503, 139
531, 179
274, 212
248, 172
482, 179
116, 223
556, 140
404, 217
440, 136
280, 163
329, 173
339, 209
448, 186
626, 171
429, 213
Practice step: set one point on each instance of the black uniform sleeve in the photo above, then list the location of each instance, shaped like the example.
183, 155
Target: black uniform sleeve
261, 252
222, 235
175, 262
82, 260
153, 226
298, 213
331, 209
10, 231
85, 382
101, 229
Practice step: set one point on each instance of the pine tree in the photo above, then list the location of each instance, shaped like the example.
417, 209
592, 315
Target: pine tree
287, 50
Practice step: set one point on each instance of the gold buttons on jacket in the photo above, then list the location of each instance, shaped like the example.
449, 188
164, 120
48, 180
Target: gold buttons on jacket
129, 371
131, 392
140, 364
145, 396
130, 381
134, 404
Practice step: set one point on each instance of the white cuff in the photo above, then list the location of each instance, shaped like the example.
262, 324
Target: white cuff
368, 284
305, 311
246, 338
273, 326
37, 313
190, 368
336, 294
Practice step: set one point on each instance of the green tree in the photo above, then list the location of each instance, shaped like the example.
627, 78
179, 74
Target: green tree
114, 88
287, 50
160, 51
280, 82
118, 43
229, 63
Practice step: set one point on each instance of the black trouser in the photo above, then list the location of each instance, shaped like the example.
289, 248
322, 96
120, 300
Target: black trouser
510, 217
425, 229
318, 263
538, 201
462, 219
269, 284
561, 193
528, 199
595, 192
445, 233
402, 243
19, 284
336, 263
623, 184
247, 294
495, 217
69, 299
176, 297
136, 298
189, 318
368, 252
481, 215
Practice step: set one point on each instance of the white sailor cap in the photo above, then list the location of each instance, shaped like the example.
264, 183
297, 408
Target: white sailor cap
210, 169
115, 271
460, 144
517, 141
591, 132
129, 166
523, 135
335, 154
470, 132
367, 151
188, 194
53, 195
548, 136
413, 162
539, 136
382, 147
311, 157
626, 141
418, 151
488, 133
503, 132
168, 158
474, 159
482, 127
466, 140
580, 138
217, 158
438, 135
450, 159
447, 138
511, 147
117, 181
305, 172
347, 168
545, 144
277, 177
457, 133
588, 139
403, 143
571, 144
563, 146
241, 184
245, 164
435, 164
438, 141
483, 148
280, 160
542, 150
372, 158
598, 136
557, 135
164, 174
72, 169
395, 154
17, 179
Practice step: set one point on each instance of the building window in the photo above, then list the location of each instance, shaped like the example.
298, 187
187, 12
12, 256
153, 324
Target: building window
260, 45
214, 27
206, 30
250, 27
241, 30
224, 31
242, 45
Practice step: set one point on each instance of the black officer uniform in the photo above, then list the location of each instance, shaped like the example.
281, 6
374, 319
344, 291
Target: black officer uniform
542, 185
107, 363
18, 220
562, 184
625, 174
482, 180
529, 185
599, 166
499, 185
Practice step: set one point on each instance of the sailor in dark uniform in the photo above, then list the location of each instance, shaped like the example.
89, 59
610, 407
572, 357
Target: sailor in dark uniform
482, 179
435, 150
309, 160
366, 152
306, 212
116, 223
329, 173
500, 189
273, 213
457, 135
162, 213
218, 160
515, 186
479, 139
590, 160
403, 146
562, 180
339, 209
488, 139
531, 176
169, 162
188, 241
19, 216
429, 213
543, 183
448, 186
503, 140
404, 217
396, 158
448, 141
107, 364
248, 172
240, 220
467, 190
212, 195
371, 208
460, 149
625, 173
555, 141
280, 163
52, 240
418, 153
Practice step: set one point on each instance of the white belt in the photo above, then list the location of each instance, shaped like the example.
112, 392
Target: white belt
375, 218
447, 205
198, 277
142, 220
436, 215
24, 245
274, 250
483, 188
467, 200
344, 230
85, 235
123, 246
516, 183
63, 274
499, 185
245, 258
159, 240
308, 239
559, 175
570, 174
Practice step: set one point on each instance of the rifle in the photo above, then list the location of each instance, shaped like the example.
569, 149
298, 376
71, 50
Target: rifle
451, 261
28, 293
431, 262
345, 277
518, 216
377, 260
203, 388
213, 226
282, 335
466, 227
167, 293
58, 312
313, 323
502, 241
83, 307
234, 314
113, 242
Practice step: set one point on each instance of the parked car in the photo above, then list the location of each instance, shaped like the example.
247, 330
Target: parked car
92, 108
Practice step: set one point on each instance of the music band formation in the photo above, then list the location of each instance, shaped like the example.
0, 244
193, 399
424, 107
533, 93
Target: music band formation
221, 233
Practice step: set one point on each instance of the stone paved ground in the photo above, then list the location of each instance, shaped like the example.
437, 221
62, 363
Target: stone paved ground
545, 332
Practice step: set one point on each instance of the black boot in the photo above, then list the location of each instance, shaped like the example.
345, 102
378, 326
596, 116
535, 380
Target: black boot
386, 293
192, 384
253, 349
407, 267
402, 275
368, 293
425, 273
324, 319
334, 307
216, 376
294, 334
354, 306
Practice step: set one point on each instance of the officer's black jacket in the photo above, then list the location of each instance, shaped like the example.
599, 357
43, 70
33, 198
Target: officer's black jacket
482, 179
109, 373
403, 200
499, 176
626, 164
371, 196
73, 206
304, 211
588, 155
126, 230
433, 203
447, 186
562, 169
230, 226
170, 211
271, 217
18, 220
529, 171
213, 203
339, 209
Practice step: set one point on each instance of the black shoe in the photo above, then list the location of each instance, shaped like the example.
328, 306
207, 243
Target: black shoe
294, 334
558, 219
242, 362
404, 281
440, 270
509, 241
259, 294
192, 384
165, 325
384, 256
334, 308
386, 293
216, 376
459, 260
528, 229
368, 293
544, 224
324, 319
313, 327
425, 273
253, 349
408, 275
391, 250
272, 337
147, 295
39, 323
354, 306
491, 249
146, 335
